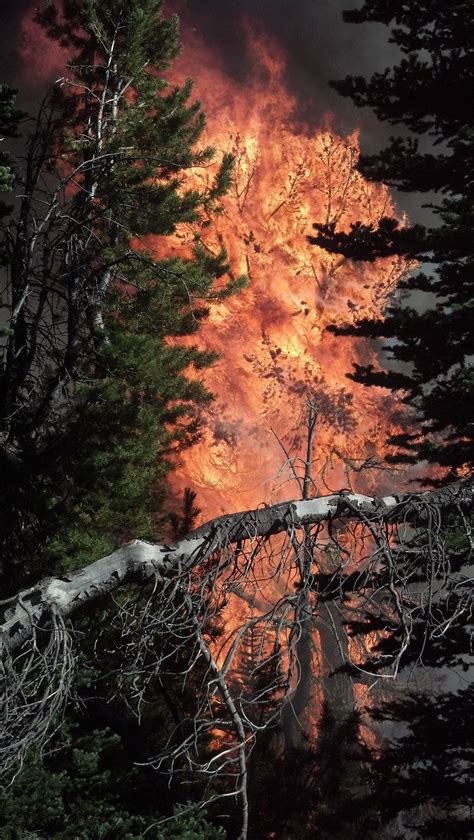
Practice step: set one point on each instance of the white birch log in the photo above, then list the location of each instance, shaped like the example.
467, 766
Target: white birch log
138, 561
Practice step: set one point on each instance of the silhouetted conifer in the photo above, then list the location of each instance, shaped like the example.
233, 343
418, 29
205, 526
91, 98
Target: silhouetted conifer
429, 93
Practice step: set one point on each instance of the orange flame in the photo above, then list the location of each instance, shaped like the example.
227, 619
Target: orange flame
275, 351
271, 338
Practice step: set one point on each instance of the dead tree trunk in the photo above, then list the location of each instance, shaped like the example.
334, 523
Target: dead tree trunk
188, 583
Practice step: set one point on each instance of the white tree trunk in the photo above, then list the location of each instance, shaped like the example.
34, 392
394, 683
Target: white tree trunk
138, 561
192, 580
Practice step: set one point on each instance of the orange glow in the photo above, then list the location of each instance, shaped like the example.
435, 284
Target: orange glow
271, 338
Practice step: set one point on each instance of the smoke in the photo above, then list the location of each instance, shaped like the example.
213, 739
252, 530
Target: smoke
11, 16
42, 59
316, 42
30, 60
319, 47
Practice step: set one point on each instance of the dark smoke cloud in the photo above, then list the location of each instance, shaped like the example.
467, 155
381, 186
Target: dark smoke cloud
11, 16
318, 47
29, 60
317, 44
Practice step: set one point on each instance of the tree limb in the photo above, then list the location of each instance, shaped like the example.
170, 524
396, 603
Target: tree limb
138, 561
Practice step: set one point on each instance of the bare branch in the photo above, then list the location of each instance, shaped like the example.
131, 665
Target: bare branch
292, 570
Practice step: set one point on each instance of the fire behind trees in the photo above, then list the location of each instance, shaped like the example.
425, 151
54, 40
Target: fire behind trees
429, 95
386, 576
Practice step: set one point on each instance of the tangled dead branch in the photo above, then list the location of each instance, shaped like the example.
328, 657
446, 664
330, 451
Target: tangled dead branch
35, 685
376, 580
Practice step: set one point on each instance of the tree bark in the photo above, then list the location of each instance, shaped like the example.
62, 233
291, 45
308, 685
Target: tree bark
139, 561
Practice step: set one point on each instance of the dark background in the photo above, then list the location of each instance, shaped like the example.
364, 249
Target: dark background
318, 46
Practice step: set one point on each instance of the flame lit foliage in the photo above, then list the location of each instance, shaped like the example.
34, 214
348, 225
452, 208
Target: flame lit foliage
271, 338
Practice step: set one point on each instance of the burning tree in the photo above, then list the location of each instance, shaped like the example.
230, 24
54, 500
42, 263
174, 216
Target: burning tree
272, 338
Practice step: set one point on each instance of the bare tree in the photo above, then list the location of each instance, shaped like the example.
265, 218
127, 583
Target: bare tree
402, 563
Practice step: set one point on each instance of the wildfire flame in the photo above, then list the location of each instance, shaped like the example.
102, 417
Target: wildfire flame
274, 350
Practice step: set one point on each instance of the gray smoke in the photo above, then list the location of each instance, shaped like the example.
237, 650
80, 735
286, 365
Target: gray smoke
11, 15
318, 46
316, 42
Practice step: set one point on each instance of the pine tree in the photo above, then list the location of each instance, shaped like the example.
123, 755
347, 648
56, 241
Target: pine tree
10, 119
423, 775
88, 789
428, 94
93, 394
184, 522
419, 777
95, 391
